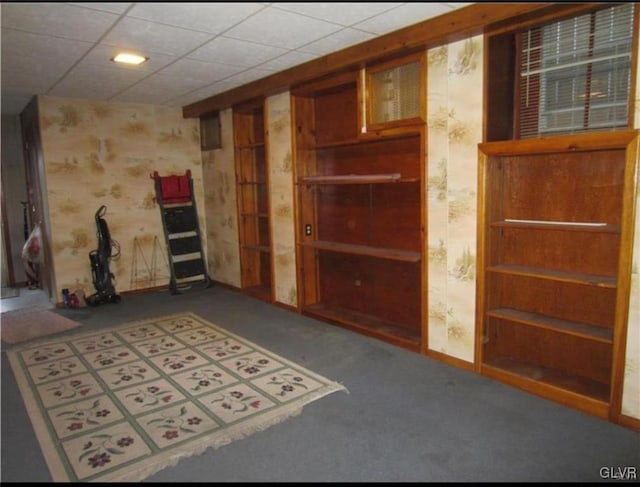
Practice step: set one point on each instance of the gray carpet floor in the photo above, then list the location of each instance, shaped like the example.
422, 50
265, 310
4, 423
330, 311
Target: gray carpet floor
405, 418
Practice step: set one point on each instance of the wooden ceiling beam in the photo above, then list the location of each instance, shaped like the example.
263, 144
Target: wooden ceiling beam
459, 24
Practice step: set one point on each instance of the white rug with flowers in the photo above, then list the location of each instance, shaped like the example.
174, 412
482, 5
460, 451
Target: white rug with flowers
121, 404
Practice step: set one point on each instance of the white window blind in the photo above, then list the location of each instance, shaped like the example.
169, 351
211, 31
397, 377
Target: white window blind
395, 93
575, 74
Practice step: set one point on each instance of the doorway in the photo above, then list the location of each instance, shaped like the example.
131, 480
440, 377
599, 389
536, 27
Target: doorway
35, 185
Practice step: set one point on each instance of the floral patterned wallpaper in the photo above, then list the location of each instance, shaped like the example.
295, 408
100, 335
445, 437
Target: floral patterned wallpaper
454, 129
282, 218
101, 153
218, 172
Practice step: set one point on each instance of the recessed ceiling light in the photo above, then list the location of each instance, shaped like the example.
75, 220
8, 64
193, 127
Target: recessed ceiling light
129, 58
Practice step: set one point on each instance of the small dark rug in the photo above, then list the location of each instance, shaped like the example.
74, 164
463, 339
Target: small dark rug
22, 325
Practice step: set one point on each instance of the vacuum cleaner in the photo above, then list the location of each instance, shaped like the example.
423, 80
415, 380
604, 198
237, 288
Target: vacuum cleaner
103, 279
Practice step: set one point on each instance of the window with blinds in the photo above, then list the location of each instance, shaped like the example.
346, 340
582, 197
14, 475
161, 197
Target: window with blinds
395, 93
575, 74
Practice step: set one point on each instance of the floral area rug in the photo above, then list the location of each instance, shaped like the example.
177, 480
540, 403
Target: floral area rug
121, 404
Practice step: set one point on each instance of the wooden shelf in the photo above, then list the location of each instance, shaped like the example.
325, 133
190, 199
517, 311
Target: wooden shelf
541, 273
365, 139
252, 183
366, 323
383, 253
252, 176
589, 332
259, 248
254, 215
255, 145
555, 225
561, 381
355, 179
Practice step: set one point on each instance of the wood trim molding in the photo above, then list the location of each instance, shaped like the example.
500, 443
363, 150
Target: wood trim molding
450, 360
224, 285
285, 306
588, 141
6, 240
629, 422
624, 277
465, 22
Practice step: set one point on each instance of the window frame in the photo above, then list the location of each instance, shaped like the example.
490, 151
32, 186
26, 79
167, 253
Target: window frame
501, 58
366, 92
210, 131
544, 79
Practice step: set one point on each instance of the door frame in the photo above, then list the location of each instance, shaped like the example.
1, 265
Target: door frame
36, 195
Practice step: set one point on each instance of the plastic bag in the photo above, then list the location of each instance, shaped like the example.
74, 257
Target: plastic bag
32, 250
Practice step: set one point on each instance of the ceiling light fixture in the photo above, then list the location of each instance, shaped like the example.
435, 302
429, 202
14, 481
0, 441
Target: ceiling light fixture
129, 58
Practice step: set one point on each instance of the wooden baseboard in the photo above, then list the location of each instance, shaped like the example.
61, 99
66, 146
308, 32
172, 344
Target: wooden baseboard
132, 292
226, 286
629, 422
449, 360
285, 306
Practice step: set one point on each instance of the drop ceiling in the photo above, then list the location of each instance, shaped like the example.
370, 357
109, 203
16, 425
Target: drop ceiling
195, 50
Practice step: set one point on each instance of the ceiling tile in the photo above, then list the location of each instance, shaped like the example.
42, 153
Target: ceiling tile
25, 82
292, 58
96, 82
44, 72
195, 96
279, 28
27, 45
158, 89
57, 19
148, 37
241, 79
235, 52
198, 70
343, 13
335, 42
408, 14
212, 17
31, 61
114, 7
